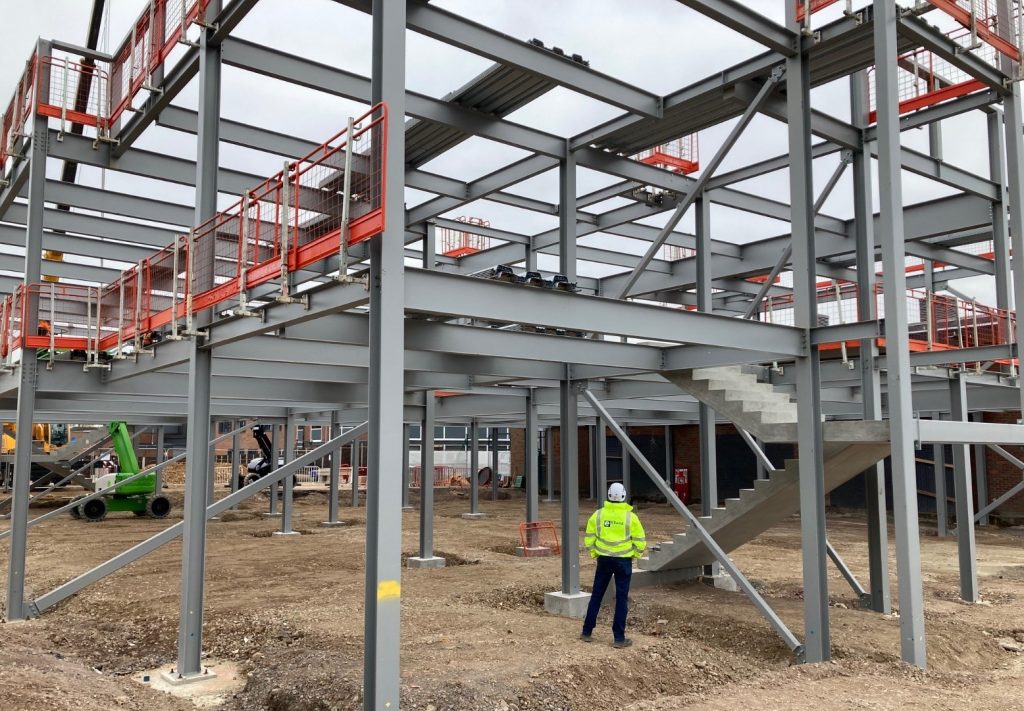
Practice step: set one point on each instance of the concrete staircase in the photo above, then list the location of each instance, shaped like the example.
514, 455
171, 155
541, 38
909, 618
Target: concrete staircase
770, 415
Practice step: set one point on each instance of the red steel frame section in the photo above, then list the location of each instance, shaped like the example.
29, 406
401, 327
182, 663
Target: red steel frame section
312, 211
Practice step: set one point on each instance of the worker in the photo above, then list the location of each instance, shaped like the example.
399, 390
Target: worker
615, 537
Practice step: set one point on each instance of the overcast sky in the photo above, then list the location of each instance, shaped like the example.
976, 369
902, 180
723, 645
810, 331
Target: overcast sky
658, 45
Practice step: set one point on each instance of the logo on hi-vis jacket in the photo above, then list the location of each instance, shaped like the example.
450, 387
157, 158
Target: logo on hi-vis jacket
607, 524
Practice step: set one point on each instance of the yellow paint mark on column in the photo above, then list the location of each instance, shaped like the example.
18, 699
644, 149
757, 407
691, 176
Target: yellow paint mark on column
389, 590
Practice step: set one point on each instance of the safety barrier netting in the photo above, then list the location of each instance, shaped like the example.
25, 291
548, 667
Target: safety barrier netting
315, 208
459, 243
981, 19
160, 26
936, 322
87, 92
680, 156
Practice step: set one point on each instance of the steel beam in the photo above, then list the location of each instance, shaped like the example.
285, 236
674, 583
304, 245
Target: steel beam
707, 171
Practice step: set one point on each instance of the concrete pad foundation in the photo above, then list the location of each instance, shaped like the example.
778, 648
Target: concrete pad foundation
417, 562
720, 582
538, 552
287, 533
332, 524
475, 516
218, 683
563, 605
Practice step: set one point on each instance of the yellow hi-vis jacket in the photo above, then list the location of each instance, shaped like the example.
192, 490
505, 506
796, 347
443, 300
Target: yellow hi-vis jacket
615, 531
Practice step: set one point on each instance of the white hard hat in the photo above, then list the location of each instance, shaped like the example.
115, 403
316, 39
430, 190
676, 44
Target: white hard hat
616, 492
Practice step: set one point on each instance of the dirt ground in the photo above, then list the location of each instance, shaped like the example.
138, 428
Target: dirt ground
475, 636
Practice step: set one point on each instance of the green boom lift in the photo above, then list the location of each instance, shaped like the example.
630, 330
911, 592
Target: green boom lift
139, 496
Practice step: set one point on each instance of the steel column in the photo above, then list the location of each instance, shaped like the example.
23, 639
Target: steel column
870, 380
941, 505
406, 435
427, 476
193, 543
549, 463
160, 458
808, 387
381, 668
602, 460
627, 468
567, 215
335, 474
530, 458
964, 494
289, 481
474, 466
901, 415
28, 370
272, 492
1000, 234
494, 463
981, 474
356, 463
592, 455
236, 457
430, 245
568, 424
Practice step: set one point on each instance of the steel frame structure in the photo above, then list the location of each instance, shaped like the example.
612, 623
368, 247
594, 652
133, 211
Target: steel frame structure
375, 339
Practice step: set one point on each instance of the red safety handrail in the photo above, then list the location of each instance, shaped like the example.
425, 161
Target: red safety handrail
247, 241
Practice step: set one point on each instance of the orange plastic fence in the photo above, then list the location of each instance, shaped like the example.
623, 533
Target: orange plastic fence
539, 535
293, 219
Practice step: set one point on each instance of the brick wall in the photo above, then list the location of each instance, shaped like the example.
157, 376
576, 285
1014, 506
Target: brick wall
1003, 476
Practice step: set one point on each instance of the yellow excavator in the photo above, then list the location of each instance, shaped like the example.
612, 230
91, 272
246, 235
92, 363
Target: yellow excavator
46, 437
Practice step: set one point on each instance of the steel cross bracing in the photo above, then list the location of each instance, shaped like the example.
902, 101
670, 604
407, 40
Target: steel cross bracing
505, 347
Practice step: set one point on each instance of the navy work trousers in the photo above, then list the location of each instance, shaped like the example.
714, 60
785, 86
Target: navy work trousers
607, 568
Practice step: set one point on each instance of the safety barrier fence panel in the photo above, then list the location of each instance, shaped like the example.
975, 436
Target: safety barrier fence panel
935, 321
979, 17
316, 208
159, 27
12, 124
459, 243
925, 78
444, 476
86, 92
681, 155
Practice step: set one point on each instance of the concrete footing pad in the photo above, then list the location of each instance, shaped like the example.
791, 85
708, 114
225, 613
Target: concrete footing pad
271, 515
218, 683
287, 533
408, 508
647, 578
538, 552
563, 605
332, 524
475, 516
433, 562
720, 582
